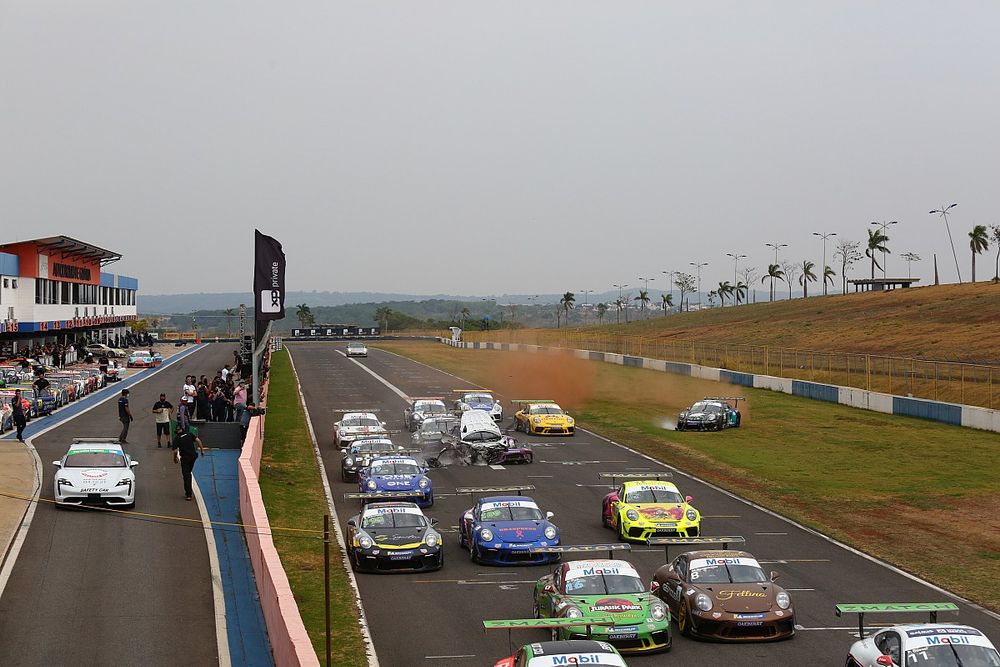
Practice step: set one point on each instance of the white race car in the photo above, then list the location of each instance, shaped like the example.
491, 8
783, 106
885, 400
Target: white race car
925, 644
354, 425
478, 400
357, 349
421, 408
95, 471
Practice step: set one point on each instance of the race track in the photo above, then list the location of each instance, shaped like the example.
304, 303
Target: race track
436, 619
97, 588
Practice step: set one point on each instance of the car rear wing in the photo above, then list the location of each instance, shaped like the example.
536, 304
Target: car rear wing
426, 398
583, 549
546, 623
471, 490
381, 495
525, 401
667, 542
634, 475
111, 439
931, 608
473, 391
734, 399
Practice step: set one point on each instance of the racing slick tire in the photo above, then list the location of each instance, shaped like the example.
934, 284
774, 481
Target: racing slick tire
430, 500
605, 521
343, 475
684, 619
473, 555
739, 418
621, 533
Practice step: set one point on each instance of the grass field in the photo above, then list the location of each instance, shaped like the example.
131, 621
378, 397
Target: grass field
293, 494
919, 494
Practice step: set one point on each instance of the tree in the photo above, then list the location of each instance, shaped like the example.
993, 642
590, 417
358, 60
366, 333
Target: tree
602, 308
791, 270
465, 314
876, 243
685, 283
807, 277
711, 298
978, 242
382, 315
740, 291
566, 304
725, 289
828, 275
304, 315
229, 313
643, 299
774, 272
668, 302
620, 305
996, 241
849, 253
750, 274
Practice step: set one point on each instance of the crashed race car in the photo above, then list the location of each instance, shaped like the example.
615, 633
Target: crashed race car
713, 413
479, 442
434, 429
420, 409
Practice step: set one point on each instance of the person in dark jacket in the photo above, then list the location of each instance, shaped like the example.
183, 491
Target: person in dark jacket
186, 447
20, 420
204, 401
124, 416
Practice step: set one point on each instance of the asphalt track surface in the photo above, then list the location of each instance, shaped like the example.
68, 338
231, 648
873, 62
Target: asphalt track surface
97, 588
436, 618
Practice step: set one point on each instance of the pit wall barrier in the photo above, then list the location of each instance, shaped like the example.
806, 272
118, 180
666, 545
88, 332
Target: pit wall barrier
969, 416
290, 644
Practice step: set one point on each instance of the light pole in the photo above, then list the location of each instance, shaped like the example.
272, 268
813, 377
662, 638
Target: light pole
620, 305
823, 269
736, 263
943, 212
646, 290
883, 225
910, 257
670, 274
586, 300
698, 266
776, 246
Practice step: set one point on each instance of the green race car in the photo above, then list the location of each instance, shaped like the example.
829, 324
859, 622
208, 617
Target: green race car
587, 589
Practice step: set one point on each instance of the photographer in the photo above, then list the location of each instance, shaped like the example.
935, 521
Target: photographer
251, 411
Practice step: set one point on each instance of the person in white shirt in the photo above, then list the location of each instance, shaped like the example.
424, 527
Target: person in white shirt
225, 372
190, 391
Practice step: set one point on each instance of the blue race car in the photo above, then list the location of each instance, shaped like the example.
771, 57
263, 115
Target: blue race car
500, 530
397, 474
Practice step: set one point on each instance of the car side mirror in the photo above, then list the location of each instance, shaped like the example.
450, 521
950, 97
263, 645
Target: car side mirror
549, 515
434, 522
688, 498
382, 423
133, 464
351, 523
57, 464
774, 575
549, 588
884, 660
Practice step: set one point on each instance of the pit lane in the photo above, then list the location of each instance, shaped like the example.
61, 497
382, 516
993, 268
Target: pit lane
437, 618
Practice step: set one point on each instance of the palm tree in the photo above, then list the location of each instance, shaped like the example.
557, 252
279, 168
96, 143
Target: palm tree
620, 305
668, 302
566, 302
465, 314
304, 315
876, 243
229, 313
725, 289
978, 242
828, 275
602, 308
711, 298
774, 272
996, 240
643, 299
740, 291
807, 277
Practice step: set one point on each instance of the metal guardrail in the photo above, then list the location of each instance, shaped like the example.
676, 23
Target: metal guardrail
949, 381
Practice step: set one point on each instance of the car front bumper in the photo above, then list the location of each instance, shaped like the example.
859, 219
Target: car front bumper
725, 626
513, 554
643, 640
115, 496
378, 559
642, 532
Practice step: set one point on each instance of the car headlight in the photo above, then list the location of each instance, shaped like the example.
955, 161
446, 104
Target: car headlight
569, 420
537, 420
658, 611
432, 539
124, 482
423, 483
349, 461
783, 600
573, 612
365, 542
691, 515
486, 534
712, 418
65, 482
632, 515
550, 532
703, 602
372, 485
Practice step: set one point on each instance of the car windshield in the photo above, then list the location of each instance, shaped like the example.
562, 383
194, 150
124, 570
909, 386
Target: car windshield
373, 447
665, 496
430, 408
953, 655
94, 458
438, 425
394, 520
479, 399
526, 513
360, 421
546, 409
396, 469
605, 584
706, 407
728, 574
355, 345
482, 436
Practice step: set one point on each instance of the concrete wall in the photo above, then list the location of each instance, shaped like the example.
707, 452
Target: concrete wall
950, 413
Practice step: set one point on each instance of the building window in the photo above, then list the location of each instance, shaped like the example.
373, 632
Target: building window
13, 283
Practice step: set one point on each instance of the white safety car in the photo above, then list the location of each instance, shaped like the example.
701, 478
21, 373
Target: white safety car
95, 471
355, 425
357, 349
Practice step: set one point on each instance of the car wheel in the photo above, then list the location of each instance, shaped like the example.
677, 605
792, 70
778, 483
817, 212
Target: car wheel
473, 553
605, 519
350, 557
430, 500
684, 620
535, 612
343, 475
621, 531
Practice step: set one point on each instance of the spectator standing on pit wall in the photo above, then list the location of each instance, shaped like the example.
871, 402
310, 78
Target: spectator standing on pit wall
186, 447
163, 411
124, 416
19, 419
204, 401
240, 400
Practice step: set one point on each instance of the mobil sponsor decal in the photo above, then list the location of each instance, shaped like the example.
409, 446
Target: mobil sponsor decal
578, 659
937, 640
615, 605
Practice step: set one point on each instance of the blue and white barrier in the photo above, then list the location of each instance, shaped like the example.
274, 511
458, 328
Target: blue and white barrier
950, 413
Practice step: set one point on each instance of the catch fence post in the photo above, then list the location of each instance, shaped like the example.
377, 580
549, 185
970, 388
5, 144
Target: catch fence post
963, 384
868, 372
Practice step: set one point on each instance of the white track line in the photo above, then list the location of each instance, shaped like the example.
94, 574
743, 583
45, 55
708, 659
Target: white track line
218, 594
22, 531
366, 634
827, 538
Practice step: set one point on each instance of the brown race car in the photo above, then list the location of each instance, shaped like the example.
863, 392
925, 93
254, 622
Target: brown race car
724, 595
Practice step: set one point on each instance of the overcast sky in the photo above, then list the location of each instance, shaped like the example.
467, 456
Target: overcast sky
495, 147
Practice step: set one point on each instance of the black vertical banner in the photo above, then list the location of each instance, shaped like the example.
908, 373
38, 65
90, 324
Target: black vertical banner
268, 278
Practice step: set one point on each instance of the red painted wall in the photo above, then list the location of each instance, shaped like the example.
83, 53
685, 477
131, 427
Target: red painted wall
28, 257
